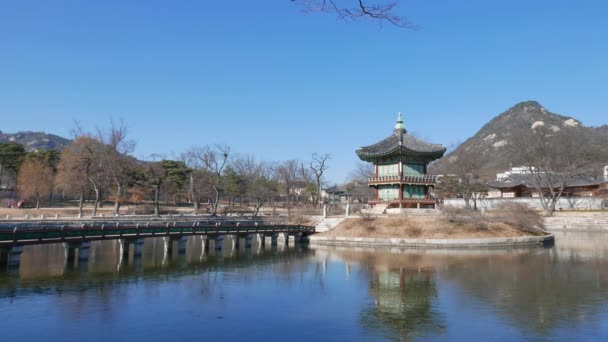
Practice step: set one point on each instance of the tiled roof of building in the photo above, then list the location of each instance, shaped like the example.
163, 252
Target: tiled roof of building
400, 140
525, 180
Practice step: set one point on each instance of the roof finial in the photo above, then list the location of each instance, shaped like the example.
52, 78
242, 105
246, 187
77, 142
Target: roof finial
399, 127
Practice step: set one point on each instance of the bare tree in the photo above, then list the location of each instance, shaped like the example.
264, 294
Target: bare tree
71, 175
307, 187
212, 161
116, 158
153, 177
378, 11
83, 159
554, 159
189, 158
288, 173
35, 178
319, 165
465, 180
261, 188
358, 182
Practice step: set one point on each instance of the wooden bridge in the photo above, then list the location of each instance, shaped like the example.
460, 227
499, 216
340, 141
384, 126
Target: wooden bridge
78, 235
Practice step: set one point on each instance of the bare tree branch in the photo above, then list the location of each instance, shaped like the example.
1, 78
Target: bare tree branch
378, 11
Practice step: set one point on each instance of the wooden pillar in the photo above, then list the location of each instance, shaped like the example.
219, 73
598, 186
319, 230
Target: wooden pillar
400, 195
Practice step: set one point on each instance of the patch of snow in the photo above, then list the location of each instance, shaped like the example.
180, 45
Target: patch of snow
490, 137
500, 143
543, 110
554, 128
571, 123
452, 159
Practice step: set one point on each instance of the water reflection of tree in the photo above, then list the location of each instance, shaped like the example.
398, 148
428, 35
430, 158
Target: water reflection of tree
537, 291
403, 306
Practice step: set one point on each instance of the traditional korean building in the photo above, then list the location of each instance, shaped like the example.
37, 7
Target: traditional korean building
516, 186
401, 161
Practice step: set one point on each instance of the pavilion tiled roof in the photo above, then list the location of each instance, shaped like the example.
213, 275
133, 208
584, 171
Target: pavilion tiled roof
400, 140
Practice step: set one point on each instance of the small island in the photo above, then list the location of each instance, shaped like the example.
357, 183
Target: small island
404, 212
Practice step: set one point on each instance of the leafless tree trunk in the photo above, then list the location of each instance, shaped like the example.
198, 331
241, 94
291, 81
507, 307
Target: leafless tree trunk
157, 199
193, 193
116, 149
212, 161
288, 172
318, 165
96, 201
80, 205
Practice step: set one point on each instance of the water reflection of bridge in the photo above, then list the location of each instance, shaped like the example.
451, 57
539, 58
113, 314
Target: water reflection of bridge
43, 268
76, 239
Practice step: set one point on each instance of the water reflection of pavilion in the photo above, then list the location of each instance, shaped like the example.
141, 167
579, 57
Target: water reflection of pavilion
536, 290
403, 304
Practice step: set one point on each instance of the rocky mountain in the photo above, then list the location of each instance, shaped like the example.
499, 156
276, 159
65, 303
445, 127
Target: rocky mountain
33, 141
490, 144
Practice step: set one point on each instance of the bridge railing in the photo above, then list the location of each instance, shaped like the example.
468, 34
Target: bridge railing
37, 234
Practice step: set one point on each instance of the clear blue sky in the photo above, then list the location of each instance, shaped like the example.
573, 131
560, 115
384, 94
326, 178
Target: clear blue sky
280, 84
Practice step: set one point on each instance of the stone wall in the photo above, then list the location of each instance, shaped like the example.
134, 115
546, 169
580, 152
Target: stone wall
575, 203
578, 221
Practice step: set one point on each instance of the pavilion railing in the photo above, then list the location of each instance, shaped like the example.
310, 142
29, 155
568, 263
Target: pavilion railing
425, 179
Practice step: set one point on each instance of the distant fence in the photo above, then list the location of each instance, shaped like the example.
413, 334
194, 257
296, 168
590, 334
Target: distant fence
572, 203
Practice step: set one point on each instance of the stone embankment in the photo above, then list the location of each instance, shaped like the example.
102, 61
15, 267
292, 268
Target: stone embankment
546, 240
581, 221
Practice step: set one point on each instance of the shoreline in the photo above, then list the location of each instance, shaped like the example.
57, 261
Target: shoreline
495, 242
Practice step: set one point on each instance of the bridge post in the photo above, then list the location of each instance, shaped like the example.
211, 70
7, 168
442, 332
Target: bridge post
205, 243
305, 239
82, 247
262, 240
168, 242
83, 250
70, 251
219, 241
138, 247
181, 244
248, 240
124, 247
235, 241
297, 238
274, 240
286, 235
11, 256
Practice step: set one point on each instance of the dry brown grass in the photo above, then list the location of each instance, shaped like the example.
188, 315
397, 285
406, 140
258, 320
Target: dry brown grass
456, 224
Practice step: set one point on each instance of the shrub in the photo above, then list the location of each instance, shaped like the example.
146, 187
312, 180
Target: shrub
468, 217
367, 216
520, 216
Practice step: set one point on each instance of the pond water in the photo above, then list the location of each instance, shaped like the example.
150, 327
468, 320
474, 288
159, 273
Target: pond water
314, 293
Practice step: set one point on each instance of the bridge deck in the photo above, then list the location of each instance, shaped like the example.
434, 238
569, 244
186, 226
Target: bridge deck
53, 233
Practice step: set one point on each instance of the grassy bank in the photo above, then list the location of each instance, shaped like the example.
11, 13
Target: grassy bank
451, 224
